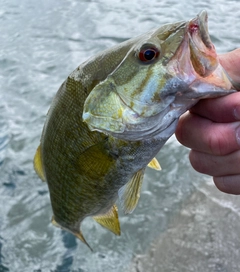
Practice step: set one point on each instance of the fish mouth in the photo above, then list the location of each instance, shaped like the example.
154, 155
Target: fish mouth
202, 52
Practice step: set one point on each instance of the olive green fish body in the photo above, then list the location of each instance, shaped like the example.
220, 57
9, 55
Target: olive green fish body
81, 160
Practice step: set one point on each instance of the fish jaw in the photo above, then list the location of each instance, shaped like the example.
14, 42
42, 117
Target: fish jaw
196, 73
197, 64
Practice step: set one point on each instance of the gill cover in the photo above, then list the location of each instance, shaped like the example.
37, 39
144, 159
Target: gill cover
129, 97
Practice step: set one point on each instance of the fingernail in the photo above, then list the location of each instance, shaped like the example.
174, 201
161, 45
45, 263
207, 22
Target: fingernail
236, 112
238, 135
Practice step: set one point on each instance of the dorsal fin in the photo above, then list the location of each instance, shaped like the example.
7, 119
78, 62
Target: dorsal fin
38, 164
78, 234
155, 164
130, 192
109, 220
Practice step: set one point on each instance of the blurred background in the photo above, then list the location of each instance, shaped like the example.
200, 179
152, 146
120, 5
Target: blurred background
182, 222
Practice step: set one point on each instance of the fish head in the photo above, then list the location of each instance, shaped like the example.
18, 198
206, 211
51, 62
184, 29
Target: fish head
162, 74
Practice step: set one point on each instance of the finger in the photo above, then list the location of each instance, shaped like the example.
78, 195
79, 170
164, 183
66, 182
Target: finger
222, 109
203, 135
231, 63
228, 184
215, 165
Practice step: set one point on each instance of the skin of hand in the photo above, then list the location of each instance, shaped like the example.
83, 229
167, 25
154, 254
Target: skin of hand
211, 129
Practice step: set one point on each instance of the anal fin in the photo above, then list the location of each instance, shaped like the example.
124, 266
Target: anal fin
129, 194
109, 220
155, 164
38, 164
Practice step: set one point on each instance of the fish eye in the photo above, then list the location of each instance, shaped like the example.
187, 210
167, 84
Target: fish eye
148, 54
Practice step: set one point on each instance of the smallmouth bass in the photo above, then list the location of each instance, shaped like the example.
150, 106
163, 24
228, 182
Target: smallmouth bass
113, 114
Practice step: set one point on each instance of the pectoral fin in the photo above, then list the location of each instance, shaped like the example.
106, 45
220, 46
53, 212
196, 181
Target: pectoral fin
38, 164
78, 233
109, 220
130, 192
155, 164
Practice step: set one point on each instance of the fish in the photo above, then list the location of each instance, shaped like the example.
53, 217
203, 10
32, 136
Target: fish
113, 114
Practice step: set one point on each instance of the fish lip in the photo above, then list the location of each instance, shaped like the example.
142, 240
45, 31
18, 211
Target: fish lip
201, 22
202, 52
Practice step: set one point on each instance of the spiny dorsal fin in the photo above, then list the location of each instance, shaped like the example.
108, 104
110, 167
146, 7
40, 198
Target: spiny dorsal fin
109, 220
155, 164
38, 164
130, 192
78, 234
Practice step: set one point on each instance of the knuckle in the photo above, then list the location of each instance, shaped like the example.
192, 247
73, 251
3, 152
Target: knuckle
198, 162
218, 143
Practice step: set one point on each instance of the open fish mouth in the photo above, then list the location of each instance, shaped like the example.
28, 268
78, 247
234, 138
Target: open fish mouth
202, 52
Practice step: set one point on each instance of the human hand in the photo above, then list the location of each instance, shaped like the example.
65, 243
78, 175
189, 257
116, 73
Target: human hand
212, 130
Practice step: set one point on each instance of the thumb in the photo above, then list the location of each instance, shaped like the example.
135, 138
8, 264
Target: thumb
231, 63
